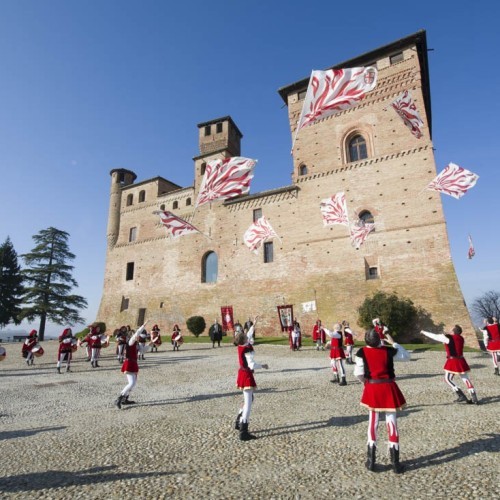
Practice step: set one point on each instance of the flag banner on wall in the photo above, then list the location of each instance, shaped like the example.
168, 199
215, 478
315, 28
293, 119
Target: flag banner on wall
360, 231
174, 225
334, 90
258, 233
285, 314
227, 318
407, 110
453, 180
225, 179
471, 251
334, 210
309, 306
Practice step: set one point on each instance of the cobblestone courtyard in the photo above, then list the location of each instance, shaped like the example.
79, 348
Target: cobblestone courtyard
62, 437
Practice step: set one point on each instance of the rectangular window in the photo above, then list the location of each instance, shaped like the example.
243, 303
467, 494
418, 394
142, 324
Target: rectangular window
124, 304
257, 214
218, 128
372, 273
208, 130
141, 317
130, 271
395, 58
268, 251
132, 236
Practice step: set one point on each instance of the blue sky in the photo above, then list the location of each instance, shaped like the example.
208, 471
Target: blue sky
87, 86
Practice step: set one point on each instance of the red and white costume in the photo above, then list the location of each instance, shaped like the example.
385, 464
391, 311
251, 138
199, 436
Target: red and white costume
380, 328
176, 338
295, 336
318, 335
455, 362
65, 351
349, 343
121, 342
375, 368
337, 354
93, 340
155, 338
491, 337
141, 343
27, 349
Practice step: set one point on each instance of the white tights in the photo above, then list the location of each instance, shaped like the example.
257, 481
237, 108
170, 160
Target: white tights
247, 404
132, 380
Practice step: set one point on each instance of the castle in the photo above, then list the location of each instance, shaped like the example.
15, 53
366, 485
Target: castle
365, 151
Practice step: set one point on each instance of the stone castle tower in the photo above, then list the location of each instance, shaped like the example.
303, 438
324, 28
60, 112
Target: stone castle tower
366, 151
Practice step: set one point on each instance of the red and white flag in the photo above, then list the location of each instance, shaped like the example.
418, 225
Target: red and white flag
335, 90
454, 180
407, 110
360, 231
471, 251
226, 179
334, 210
257, 233
175, 225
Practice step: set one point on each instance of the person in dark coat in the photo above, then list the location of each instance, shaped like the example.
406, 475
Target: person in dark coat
215, 333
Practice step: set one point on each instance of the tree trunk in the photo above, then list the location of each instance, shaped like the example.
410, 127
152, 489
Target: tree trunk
41, 329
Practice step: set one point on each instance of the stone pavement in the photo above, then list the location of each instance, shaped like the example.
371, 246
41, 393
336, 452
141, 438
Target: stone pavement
62, 437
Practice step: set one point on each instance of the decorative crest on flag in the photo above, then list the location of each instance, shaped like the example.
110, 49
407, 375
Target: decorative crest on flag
174, 225
260, 231
360, 231
407, 110
334, 210
226, 179
453, 180
335, 90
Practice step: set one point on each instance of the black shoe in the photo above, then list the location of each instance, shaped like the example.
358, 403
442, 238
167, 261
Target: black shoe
127, 401
371, 453
58, 370
96, 365
496, 372
343, 382
461, 397
397, 468
68, 369
237, 421
119, 402
474, 399
244, 434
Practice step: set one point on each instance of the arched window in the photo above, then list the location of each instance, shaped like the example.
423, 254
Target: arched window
188, 202
203, 168
303, 170
175, 204
142, 196
367, 217
130, 200
209, 268
162, 207
357, 148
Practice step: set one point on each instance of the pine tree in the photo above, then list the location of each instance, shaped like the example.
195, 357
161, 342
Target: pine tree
50, 281
11, 285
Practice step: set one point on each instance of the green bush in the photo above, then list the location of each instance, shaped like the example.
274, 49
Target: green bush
196, 325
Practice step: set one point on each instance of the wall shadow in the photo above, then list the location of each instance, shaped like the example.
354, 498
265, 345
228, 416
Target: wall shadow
28, 432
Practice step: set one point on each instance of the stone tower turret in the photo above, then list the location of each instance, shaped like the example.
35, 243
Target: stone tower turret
120, 177
219, 138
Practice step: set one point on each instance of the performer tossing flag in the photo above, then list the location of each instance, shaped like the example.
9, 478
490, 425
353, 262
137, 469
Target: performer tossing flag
175, 225
334, 210
406, 109
453, 180
226, 179
257, 233
334, 90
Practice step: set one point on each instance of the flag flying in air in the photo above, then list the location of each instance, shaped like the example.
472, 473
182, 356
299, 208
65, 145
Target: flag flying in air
226, 179
257, 233
360, 231
334, 210
175, 225
471, 251
407, 110
453, 180
334, 90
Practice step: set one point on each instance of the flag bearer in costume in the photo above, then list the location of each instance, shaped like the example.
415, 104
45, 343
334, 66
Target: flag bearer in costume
348, 341
455, 362
28, 345
491, 337
375, 369
245, 380
65, 352
337, 354
176, 338
130, 367
296, 336
93, 340
155, 338
318, 335
141, 346
121, 337
380, 328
